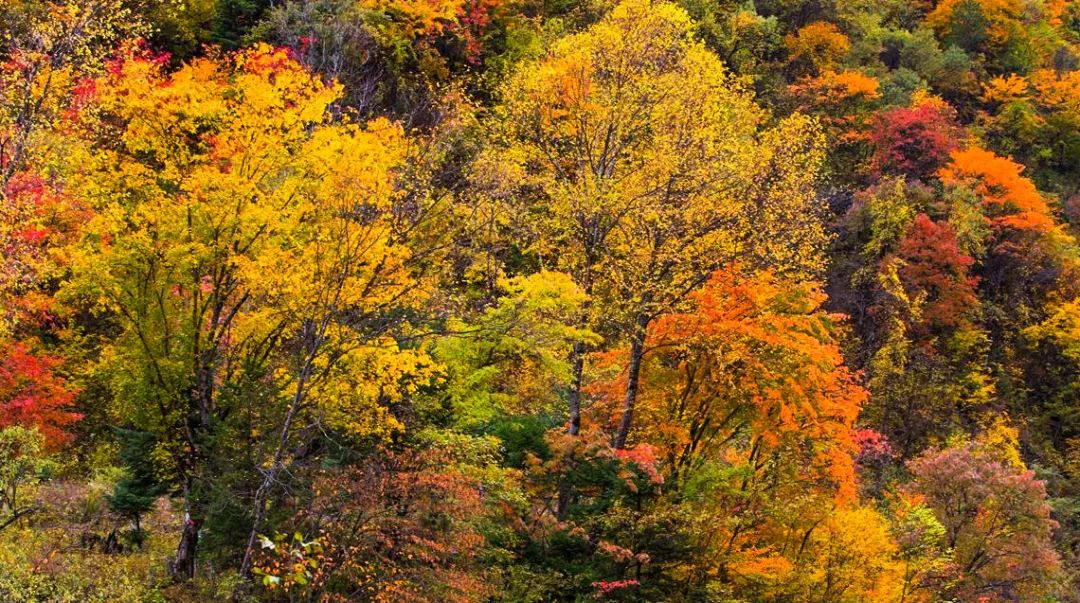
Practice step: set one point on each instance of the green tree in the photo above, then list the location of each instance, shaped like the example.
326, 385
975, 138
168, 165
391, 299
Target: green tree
21, 460
139, 489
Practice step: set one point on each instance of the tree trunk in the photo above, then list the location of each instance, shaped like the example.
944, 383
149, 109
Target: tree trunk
315, 338
577, 359
270, 476
578, 363
182, 566
199, 425
637, 350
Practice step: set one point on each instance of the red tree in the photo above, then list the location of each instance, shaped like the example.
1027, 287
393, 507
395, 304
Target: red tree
33, 395
935, 267
912, 141
997, 524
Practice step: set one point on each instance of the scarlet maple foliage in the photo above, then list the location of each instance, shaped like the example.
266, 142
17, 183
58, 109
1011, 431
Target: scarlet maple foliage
912, 141
35, 218
935, 267
33, 395
873, 445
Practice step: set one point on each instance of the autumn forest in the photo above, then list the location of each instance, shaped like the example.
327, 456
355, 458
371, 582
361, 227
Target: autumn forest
718, 301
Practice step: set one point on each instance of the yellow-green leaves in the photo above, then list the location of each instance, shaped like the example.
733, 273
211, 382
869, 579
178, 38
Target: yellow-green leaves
242, 240
642, 165
513, 358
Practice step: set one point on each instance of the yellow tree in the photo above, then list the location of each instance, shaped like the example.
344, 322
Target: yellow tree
47, 48
816, 47
47, 52
640, 166
248, 250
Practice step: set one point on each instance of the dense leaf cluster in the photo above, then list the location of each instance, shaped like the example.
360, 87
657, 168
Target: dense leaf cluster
522, 300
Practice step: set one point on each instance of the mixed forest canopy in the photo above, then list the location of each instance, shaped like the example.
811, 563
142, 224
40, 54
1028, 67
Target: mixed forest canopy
765, 301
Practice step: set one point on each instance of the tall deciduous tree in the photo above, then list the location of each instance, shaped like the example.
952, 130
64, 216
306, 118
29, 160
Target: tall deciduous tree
642, 166
246, 247
913, 141
996, 518
754, 365
935, 270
